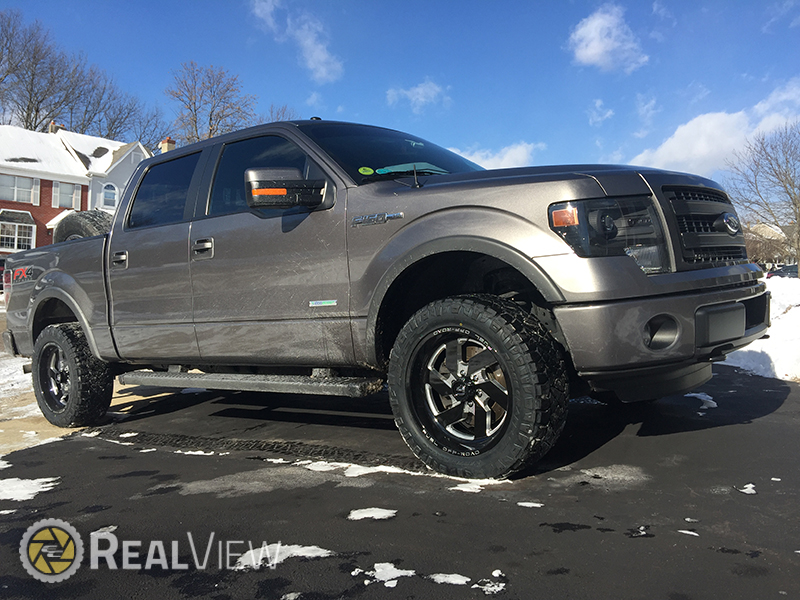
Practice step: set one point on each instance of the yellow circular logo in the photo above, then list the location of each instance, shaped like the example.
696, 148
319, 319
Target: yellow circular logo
51, 550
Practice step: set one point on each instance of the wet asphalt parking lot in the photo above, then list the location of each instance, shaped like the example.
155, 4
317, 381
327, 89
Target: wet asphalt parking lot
689, 497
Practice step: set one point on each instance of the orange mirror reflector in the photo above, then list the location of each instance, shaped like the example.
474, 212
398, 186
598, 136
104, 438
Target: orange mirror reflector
269, 192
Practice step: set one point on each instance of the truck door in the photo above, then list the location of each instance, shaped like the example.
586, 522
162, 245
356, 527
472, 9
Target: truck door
270, 285
148, 265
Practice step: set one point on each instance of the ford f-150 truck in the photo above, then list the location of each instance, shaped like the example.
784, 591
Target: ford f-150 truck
335, 258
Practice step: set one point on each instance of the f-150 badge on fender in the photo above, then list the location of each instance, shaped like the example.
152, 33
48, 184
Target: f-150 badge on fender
376, 219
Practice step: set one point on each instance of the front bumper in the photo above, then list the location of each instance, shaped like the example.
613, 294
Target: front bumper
659, 345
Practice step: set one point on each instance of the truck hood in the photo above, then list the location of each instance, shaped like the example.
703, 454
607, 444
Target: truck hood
613, 179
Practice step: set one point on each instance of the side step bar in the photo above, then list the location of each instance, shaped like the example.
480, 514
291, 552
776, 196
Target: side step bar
353, 387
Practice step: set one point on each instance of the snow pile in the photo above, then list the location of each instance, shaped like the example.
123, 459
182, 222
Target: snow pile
13, 381
778, 356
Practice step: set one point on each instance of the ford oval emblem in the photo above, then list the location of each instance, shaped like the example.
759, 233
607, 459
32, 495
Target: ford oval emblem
732, 224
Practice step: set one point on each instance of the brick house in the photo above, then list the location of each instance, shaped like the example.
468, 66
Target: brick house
44, 176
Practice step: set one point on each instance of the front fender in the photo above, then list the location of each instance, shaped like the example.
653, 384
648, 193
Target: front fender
499, 234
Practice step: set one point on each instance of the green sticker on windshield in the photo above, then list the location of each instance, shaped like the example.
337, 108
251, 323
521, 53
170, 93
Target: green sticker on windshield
366, 171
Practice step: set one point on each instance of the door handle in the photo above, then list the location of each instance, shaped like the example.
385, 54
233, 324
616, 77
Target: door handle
119, 259
203, 248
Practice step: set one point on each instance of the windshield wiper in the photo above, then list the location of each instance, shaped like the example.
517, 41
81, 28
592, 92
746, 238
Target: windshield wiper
404, 173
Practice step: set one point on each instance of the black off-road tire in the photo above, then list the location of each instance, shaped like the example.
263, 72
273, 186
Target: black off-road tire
478, 387
73, 388
82, 224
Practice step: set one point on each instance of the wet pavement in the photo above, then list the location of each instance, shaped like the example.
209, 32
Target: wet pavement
688, 497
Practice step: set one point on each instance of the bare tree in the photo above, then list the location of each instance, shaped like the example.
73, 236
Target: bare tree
150, 128
765, 181
280, 113
210, 102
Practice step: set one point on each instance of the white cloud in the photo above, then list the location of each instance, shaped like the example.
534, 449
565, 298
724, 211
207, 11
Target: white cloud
516, 155
419, 96
707, 142
598, 113
646, 109
604, 40
314, 100
780, 12
307, 32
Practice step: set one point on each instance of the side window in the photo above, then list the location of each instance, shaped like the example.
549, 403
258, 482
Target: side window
229, 193
161, 197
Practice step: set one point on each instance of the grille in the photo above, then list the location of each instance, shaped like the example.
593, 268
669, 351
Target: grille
696, 223
714, 255
696, 209
691, 194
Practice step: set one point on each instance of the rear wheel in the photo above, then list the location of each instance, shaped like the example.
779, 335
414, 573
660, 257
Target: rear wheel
73, 388
477, 386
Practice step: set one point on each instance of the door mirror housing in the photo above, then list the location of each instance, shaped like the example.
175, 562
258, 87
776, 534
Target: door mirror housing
282, 188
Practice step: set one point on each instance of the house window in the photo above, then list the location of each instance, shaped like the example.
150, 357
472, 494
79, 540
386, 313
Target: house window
16, 236
16, 189
110, 195
66, 195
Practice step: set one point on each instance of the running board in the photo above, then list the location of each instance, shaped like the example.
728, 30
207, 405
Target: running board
353, 387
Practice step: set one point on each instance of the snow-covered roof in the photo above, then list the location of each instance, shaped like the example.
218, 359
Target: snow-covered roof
94, 153
63, 155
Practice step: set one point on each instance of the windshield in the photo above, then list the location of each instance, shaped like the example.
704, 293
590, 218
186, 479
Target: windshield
372, 153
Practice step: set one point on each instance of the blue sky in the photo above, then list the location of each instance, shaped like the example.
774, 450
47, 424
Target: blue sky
669, 83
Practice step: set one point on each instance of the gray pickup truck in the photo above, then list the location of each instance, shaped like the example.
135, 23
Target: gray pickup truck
335, 258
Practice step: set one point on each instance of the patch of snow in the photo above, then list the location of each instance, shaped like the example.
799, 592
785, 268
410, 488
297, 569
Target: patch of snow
690, 520
450, 578
275, 554
127, 435
471, 487
13, 381
106, 529
489, 587
530, 504
773, 479
388, 573
371, 513
147, 450
194, 452
750, 488
708, 401
25, 489
91, 435
497, 573
689, 532
777, 356
291, 596
4, 464
8, 511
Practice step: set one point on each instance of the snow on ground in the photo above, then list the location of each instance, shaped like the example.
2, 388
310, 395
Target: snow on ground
778, 356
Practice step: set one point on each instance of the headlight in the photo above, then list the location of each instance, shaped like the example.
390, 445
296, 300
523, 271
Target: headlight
613, 227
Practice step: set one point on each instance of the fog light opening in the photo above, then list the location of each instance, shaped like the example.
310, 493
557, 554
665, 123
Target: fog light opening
660, 332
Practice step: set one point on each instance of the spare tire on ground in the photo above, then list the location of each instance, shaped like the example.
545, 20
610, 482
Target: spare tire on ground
83, 224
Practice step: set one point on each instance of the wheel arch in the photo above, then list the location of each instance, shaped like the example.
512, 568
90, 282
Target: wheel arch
435, 270
54, 306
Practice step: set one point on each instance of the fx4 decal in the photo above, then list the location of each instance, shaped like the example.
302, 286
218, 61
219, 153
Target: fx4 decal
21, 274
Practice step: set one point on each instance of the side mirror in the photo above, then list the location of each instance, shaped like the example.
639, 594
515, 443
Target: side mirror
282, 188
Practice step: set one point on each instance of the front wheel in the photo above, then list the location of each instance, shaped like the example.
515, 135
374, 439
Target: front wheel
477, 386
73, 388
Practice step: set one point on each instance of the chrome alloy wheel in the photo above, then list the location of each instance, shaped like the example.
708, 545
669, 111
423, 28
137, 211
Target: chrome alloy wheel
466, 393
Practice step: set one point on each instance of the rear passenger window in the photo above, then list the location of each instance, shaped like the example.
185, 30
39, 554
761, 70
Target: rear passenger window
161, 197
229, 193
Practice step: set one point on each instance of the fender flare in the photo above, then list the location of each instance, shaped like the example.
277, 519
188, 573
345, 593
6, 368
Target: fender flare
57, 293
457, 243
